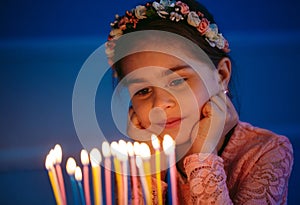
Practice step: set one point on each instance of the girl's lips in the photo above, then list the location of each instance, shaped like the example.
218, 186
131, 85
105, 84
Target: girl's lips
172, 122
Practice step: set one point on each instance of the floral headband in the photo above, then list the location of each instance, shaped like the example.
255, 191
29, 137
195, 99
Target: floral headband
175, 11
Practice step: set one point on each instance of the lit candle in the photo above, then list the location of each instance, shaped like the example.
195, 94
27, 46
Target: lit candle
107, 164
169, 149
78, 178
53, 179
156, 146
70, 167
84, 156
114, 149
146, 155
58, 159
133, 170
95, 157
122, 155
139, 164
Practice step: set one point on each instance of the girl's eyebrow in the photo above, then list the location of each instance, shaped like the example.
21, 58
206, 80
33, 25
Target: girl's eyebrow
176, 68
134, 80
165, 73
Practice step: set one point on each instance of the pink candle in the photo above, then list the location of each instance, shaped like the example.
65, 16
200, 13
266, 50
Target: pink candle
107, 165
133, 171
58, 159
85, 162
122, 155
169, 149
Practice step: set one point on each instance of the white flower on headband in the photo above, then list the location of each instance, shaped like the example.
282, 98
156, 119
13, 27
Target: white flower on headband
167, 3
193, 19
176, 16
140, 12
160, 9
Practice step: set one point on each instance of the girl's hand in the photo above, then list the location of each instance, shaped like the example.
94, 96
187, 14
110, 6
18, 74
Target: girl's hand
218, 117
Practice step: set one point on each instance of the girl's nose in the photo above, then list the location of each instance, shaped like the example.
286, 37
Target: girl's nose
163, 99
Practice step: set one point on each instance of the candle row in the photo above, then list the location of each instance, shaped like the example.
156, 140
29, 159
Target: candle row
131, 164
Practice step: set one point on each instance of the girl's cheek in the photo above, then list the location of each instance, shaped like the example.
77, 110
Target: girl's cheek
142, 115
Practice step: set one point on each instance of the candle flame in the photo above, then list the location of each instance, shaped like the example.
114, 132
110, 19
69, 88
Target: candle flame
106, 149
122, 152
136, 148
71, 166
58, 153
95, 156
113, 148
78, 174
84, 156
48, 162
130, 149
168, 144
122, 143
155, 142
145, 151
52, 157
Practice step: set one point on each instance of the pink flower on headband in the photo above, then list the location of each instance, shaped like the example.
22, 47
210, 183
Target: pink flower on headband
122, 23
226, 46
203, 26
184, 9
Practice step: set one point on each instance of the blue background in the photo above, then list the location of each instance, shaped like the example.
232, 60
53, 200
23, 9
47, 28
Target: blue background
43, 45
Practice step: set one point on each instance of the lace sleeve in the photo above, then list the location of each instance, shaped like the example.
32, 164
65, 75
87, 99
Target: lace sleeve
267, 181
207, 179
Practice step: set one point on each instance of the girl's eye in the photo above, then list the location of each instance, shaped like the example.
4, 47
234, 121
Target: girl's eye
143, 91
178, 81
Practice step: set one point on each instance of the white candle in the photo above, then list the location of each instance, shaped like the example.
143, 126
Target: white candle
139, 164
146, 155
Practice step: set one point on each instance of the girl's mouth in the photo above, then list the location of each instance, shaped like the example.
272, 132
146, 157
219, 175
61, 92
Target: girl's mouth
171, 123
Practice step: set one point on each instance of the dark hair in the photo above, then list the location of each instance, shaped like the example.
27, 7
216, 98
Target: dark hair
181, 28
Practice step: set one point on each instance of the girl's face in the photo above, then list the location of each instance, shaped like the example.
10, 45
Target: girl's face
167, 94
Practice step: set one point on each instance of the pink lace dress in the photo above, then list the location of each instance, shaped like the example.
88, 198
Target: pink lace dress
254, 168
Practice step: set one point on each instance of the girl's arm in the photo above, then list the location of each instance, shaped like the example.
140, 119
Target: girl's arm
261, 179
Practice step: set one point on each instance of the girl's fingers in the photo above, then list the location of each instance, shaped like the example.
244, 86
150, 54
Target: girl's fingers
220, 101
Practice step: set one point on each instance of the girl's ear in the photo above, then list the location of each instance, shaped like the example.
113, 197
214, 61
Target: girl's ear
224, 71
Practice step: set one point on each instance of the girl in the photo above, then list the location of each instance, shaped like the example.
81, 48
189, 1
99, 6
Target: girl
176, 66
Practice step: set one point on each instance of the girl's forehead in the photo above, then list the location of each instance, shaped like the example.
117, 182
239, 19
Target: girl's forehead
150, 59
